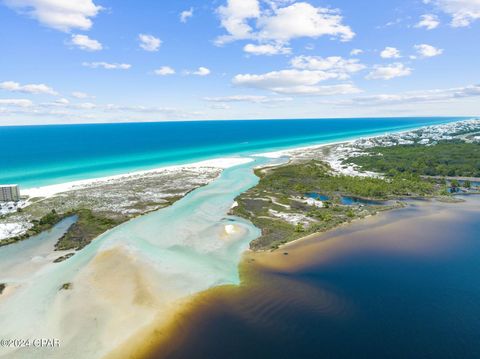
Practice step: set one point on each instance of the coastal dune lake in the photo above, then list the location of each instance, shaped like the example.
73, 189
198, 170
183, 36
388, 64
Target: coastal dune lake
404, 284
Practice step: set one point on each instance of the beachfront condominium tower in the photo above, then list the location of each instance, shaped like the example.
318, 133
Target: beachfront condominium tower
9, 193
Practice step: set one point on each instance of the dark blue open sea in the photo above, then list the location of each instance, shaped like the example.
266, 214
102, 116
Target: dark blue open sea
40, 155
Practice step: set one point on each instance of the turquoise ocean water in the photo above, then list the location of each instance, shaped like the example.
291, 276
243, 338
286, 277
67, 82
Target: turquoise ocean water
41, 155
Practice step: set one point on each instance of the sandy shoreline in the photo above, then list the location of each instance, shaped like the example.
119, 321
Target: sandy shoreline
219, 163
51, 190
286, 152
305, 249
270, 285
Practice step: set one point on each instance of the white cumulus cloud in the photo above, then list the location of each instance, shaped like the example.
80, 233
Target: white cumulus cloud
267, 49
248, 98
107, 65
278, 22
334, 64
58, 14
85, 43
390, 53
80, 95
425, 50
164, 71
428, 96
86, 106
356, 52
149, 42
234, 18
463, 12
294, 81
201, 71
36, 89
303, 20
62, 101
186, 14
428, 21
305, 75
389, 72
16, 102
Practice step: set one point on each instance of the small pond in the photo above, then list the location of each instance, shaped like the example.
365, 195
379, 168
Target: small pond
318, 196
346, 200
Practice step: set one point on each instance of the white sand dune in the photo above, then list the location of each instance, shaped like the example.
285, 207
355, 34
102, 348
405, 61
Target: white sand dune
51, 190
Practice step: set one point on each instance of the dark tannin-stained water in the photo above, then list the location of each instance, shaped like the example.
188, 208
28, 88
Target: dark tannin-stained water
404, 284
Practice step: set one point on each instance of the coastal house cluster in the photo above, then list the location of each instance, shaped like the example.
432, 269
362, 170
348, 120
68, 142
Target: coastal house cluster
426, 136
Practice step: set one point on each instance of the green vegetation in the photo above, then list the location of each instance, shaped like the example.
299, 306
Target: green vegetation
66, 286
444, 159
43, 224
315, 176
280, 195
90, 223
2, 287
277, 204
49, 220
63, 258
88, 226
80, 234
276, 231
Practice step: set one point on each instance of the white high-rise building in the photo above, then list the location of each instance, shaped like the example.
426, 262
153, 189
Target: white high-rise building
9, 193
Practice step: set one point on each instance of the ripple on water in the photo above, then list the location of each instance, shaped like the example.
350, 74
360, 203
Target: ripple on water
134, 273
394, 286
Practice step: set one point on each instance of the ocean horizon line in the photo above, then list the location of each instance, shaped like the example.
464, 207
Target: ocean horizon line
240, 120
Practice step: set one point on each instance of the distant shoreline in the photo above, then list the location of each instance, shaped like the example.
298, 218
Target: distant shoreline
51, 190
277, 205
222, 162
460, 118
111, 150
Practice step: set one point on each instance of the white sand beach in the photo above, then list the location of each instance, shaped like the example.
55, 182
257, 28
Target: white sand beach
48, 191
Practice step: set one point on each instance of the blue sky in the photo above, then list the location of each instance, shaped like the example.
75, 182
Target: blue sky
115, 61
